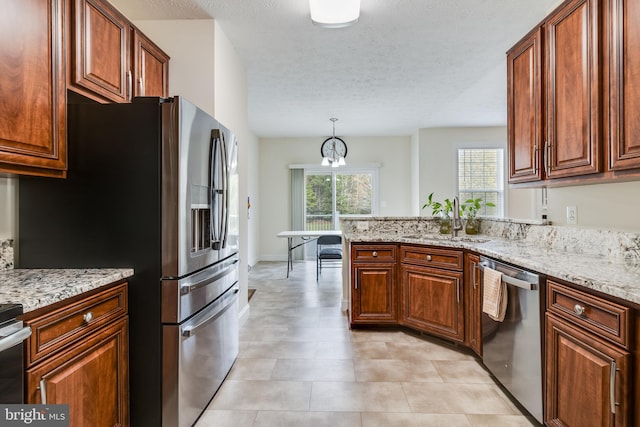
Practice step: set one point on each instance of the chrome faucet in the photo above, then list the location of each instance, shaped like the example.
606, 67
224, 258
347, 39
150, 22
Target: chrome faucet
456, 223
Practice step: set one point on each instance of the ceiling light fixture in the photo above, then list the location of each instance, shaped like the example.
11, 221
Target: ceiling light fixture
333, 149
334, 13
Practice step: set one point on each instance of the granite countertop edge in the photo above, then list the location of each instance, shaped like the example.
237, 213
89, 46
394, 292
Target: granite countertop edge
613, 277
37, 288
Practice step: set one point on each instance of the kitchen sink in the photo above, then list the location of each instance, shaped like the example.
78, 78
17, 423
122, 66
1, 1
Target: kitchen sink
447, 238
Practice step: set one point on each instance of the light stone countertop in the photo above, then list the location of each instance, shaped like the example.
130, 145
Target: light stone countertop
609, 274
37, 288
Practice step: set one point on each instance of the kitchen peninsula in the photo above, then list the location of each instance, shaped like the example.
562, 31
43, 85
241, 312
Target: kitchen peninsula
402, 272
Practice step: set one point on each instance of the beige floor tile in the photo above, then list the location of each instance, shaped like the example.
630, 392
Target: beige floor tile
450, 398
307, 419
212, 418
500, 421
350, 396
462, 371
395, 370
352, 350
277, 350
424, 351
252, 369
373, 419
314, 370
263, 395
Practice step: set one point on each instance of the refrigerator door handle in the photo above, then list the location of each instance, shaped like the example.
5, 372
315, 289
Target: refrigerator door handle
216, 191
224, 227
225, 301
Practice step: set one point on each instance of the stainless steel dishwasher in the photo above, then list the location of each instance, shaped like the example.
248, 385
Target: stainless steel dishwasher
512, 349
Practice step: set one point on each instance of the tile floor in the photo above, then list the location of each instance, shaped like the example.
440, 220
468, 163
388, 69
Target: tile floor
300, 365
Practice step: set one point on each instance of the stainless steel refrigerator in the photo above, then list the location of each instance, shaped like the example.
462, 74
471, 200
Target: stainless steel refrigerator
152, 185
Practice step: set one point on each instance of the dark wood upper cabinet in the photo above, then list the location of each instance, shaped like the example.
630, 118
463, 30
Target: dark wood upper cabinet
624, 88
572, 42
32, 88
525, 114
100, 53
150, 67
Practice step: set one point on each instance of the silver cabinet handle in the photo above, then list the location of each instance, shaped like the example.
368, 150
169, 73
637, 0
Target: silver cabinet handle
458, 291
547, 158
88, 317
612, 387
428, 257
43, 391
536, 165
579, 309
473, 276
140, 86
129, 86
375, 254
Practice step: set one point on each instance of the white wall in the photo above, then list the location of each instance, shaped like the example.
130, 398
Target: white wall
276, 154
438, 151
8, 225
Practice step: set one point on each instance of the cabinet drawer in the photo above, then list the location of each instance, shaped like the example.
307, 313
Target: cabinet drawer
68, 324
373, 253
432, 257
604, 318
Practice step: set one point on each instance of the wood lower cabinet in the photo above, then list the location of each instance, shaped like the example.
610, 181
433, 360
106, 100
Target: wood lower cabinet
432, 299
78, 355
473, 303
373, 284
587, 378
32, 88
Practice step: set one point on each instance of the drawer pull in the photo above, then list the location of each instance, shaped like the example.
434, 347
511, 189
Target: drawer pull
88, 317
579, 309
375, 254
428, 257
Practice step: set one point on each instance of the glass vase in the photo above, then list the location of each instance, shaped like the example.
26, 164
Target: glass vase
445, 225
472, 226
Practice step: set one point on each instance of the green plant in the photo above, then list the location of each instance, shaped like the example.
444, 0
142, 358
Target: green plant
444, 209
471, 207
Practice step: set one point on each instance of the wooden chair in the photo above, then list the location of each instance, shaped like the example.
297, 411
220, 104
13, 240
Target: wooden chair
329, 252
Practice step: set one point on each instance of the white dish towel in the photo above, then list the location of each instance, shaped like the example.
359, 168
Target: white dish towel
494, 301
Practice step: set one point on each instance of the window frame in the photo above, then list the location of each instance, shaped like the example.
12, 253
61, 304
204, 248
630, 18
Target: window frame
500, 179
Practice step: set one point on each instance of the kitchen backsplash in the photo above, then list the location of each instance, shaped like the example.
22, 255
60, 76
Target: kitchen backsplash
597, 242
6, 254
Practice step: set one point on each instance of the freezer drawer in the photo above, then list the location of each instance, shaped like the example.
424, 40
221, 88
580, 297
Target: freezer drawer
197, 356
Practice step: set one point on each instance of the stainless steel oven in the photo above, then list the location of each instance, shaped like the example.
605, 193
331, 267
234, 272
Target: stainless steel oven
12, 336
512, 348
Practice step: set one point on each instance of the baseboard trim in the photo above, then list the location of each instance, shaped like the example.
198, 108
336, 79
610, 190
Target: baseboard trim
244, 314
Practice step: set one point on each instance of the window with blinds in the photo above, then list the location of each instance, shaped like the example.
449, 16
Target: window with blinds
480, 175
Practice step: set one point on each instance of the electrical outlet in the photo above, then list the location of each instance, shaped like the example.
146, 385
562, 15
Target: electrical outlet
362, 225
572, 215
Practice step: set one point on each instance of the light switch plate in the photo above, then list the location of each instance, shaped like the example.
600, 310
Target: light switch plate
572, 215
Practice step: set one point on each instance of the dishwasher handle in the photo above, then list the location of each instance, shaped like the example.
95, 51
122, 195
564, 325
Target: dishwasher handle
15, 338
522, 284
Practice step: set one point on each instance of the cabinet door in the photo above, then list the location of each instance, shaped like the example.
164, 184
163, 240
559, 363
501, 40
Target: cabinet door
473, 303
624, 90
150, 67
373, 294
587, 379
525, 120
432, 301
100, 56
32, 88
572, 42
91, 377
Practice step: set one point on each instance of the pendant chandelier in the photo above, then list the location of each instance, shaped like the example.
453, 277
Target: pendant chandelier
333, 149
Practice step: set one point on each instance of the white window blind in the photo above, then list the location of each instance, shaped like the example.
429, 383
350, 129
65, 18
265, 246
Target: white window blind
480, 175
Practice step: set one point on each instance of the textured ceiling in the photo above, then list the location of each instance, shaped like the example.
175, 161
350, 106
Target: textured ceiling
407, 64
